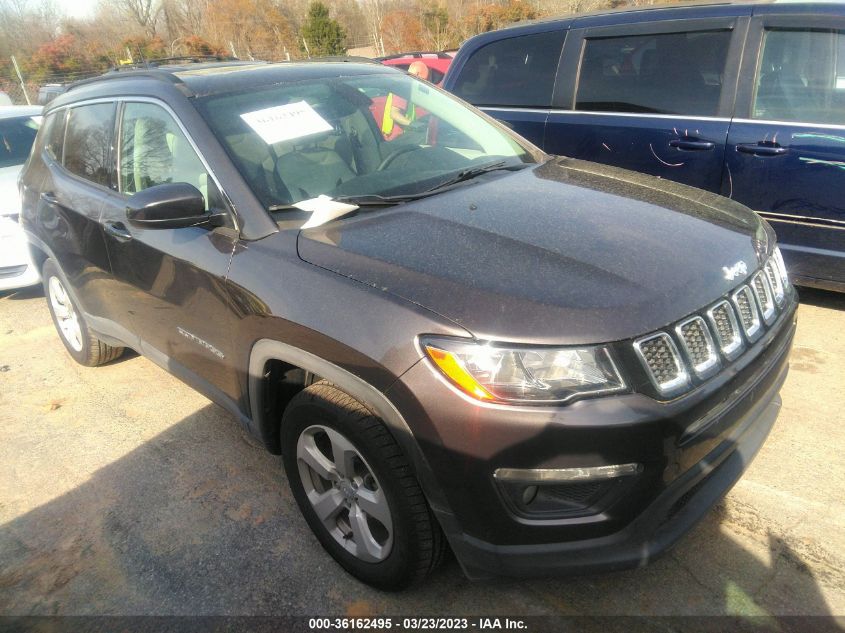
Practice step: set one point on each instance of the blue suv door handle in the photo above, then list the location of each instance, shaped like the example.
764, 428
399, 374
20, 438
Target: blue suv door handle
762, 149
118, 231
691, 144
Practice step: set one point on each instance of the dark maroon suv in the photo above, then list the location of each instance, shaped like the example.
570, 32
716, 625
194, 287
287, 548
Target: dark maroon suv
453, 339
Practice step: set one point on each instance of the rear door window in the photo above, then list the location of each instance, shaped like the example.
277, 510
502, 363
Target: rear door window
88, 142
667, 73
801, 77
517, 71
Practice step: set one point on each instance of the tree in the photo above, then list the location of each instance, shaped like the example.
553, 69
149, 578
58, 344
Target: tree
195, 45
490, 17
141, 47
435, 25
144, 12
375, 11
401, 31
64, 58
322, 35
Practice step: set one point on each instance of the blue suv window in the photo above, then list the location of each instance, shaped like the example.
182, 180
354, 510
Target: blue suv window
668, 73
801, 77
518, 71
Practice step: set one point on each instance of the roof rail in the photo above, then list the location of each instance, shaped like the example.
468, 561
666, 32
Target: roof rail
151, 69
163, 61
340, 58
438, 54
148, 74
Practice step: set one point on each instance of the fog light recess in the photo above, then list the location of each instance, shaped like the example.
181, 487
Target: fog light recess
561, 492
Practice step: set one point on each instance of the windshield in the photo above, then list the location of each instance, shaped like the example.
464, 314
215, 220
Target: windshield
16, 138
347, 137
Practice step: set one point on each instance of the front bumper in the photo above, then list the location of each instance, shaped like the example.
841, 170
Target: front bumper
683, 473
17, 270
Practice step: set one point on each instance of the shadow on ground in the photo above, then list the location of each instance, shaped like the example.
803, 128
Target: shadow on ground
22, 293
199, 520
822, 298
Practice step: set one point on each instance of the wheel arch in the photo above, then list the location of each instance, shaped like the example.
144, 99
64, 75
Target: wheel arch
38, 255
266, 427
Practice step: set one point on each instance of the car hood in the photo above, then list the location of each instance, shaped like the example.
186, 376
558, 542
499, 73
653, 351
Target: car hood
564, 252
10, 199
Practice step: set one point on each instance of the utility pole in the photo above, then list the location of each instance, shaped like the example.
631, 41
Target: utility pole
20, 78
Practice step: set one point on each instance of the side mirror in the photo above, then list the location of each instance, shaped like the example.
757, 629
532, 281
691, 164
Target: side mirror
170, 206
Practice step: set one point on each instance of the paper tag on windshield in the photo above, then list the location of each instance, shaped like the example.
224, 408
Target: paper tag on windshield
286, 122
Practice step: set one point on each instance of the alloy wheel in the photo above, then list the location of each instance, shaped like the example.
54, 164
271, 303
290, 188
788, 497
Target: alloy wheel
344, 493
65, 312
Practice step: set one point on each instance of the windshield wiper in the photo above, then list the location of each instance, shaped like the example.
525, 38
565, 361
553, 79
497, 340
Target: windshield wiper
367, 200
473, 172
376, 200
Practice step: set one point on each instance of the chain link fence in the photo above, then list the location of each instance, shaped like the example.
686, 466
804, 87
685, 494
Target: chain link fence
38, 91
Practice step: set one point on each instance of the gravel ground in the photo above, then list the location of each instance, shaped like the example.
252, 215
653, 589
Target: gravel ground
124, 492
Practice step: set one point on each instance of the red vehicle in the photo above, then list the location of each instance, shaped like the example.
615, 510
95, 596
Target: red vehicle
438, 63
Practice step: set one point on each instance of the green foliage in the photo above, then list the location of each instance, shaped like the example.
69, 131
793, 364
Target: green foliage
324, 35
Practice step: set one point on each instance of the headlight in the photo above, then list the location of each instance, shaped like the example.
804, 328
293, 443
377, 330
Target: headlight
495, 373
781, 267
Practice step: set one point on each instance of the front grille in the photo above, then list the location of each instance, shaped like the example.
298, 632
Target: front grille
720, 335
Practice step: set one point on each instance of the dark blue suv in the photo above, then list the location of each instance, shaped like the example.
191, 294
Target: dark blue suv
746, 100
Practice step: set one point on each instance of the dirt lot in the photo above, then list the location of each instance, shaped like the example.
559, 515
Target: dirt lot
124, 492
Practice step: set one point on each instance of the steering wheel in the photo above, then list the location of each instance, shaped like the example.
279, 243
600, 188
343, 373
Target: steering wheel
395, 154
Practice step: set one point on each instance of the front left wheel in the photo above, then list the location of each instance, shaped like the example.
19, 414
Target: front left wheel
84, 347
356, 489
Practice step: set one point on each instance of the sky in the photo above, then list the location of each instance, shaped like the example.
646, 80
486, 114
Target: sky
77, 8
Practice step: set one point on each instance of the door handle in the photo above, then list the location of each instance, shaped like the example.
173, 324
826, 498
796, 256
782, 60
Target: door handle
691, 145
118, 231
762, 149
49, 197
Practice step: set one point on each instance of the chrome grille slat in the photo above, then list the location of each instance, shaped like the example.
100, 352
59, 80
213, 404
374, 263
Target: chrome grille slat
698, 344
663, 363
749, 316
775, 281
724, 323
765, 297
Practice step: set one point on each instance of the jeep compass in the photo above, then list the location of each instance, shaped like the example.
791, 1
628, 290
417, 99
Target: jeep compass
451, 338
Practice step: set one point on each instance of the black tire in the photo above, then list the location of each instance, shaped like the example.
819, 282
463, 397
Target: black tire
417, 542
91, 350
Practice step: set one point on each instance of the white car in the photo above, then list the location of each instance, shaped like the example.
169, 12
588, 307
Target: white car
18, 126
